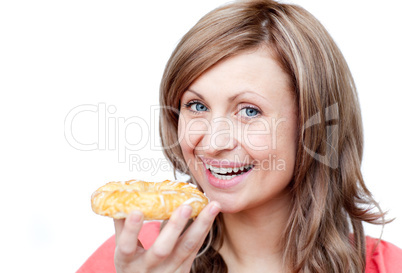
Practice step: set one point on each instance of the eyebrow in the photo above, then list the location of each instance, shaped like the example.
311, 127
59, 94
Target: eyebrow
198, 94
246, 92
232, 97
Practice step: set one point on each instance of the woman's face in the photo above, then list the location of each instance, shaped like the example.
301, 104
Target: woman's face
237, 131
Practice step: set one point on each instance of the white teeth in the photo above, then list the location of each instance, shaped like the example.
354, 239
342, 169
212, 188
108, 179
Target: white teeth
223, 177
223, 170
217, 172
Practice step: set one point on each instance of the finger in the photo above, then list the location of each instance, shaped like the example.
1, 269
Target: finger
118, 227
167, 239
187, 263
128, 240
193, 238
139, 244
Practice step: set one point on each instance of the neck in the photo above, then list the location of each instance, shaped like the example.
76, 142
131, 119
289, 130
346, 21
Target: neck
252, 237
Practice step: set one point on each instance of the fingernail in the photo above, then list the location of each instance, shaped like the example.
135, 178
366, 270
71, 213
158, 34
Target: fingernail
215, 208
186, 211
135, 217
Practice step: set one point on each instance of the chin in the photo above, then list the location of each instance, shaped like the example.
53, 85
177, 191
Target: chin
229, 202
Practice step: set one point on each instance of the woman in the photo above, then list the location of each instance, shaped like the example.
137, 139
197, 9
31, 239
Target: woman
260, 109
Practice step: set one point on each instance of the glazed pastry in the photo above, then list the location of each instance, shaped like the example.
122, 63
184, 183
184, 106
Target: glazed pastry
156, 200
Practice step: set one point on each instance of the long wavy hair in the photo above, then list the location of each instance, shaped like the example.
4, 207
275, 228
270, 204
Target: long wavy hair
330, 200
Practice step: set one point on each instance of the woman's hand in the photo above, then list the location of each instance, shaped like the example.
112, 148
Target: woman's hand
170, 251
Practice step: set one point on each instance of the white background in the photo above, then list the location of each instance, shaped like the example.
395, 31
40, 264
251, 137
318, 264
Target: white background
57, 55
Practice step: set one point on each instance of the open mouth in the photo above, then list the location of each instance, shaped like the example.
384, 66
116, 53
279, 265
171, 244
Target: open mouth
228, 173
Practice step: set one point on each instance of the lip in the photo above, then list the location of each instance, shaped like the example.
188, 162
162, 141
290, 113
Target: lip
225, 184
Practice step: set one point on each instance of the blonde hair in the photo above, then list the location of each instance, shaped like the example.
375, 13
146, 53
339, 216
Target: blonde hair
329, 197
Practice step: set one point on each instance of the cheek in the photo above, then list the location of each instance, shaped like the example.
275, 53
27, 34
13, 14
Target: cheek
285, 145
191, 133
183, 136
257, 136
258, 143
273, 144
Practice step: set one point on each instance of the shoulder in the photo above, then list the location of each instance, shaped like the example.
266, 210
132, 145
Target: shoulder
102, 260
382, 256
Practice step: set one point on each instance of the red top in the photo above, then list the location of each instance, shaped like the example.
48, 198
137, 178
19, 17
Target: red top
387, 258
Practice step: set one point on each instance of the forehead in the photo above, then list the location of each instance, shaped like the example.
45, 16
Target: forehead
257, 71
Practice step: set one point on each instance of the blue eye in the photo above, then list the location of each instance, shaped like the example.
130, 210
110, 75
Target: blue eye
196, 106
249, 112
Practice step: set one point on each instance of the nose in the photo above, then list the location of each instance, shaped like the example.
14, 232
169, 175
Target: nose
221, 136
